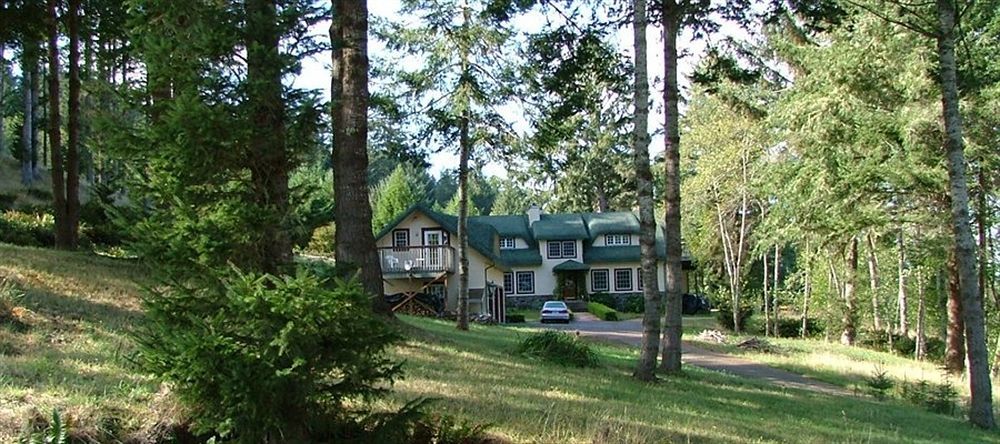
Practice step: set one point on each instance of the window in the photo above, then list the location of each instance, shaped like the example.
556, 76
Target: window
401, 238
623, 279
507, 243
569, 249
599, 280
617, 239
561, 249
638, 280
508, 282
525, 282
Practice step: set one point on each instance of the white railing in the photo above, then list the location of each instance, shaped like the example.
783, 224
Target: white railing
413, 260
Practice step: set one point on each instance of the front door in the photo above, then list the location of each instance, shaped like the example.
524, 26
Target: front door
432, 256
569, 287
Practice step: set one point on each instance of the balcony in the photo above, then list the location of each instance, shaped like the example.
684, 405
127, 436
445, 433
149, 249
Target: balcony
419, 261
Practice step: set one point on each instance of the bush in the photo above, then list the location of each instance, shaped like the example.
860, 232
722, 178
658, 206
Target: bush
937, 398
560, 348
879, 382
725, 316
602, 311
633, 303
515, 318
264, 358
605, 299
322, 240
792, 327
27, 229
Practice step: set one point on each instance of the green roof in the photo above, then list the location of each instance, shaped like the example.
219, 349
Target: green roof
599, 224
560, 227
521, 257
507, 226
571, 265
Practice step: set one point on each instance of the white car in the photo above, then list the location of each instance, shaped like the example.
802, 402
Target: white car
556, 311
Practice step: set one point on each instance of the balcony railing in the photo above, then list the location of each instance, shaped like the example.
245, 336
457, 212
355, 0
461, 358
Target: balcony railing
417, 260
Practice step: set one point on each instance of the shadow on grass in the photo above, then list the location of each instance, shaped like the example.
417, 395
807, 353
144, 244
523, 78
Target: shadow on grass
477, 376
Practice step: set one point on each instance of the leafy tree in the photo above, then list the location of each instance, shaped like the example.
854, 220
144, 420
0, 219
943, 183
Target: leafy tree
457, 92
398, 192
513, 198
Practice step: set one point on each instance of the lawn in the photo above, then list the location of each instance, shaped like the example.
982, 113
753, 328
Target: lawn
74, 357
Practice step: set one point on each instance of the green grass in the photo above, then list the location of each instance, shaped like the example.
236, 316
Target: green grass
74, 353
848, 367
477, 376
75, 357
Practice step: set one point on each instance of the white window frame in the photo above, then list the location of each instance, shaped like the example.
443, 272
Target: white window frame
405, 239
638, 276
607, 279
630, 283
617, 239
517, 281
508, 243
508, 278
572, 246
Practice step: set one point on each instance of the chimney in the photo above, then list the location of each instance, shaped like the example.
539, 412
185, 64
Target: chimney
534, 213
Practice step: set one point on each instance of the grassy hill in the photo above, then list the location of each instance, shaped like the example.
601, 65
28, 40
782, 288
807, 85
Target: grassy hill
73, 355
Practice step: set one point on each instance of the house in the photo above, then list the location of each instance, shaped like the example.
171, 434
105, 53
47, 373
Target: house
516, 260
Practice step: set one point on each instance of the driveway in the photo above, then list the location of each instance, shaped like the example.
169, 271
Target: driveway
630, 332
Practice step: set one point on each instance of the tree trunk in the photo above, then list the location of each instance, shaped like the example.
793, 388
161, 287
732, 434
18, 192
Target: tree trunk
873, 282
954, 356
980, 387
463, 221
774, 290
269, 174
3, 94
904, 324
921, 346
55, 133
807, 294
650, 348
850, 333
36, 127
355, 242
73, 145
671, 361
767, 296
27, 131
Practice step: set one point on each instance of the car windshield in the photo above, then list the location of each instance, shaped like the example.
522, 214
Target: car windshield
554, 305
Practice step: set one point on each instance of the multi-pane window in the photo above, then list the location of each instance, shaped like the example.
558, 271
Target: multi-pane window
561, 249
507, 243
525, 282
508, 282
617, 239
623, 279
401, 238
638, 276
599, 280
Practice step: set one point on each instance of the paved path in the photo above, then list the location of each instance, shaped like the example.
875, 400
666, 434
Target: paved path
630, 332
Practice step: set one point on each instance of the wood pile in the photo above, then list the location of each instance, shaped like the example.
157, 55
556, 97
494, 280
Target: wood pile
757, 344
715, 336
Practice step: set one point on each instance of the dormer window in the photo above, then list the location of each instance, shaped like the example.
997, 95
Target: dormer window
617, 239
508, 243
562, 249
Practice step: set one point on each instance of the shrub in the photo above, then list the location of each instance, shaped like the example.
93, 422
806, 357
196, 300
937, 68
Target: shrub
54, 433
879, 382
263, 358
27, 229
725, 316
937, 398
633, 303
515, 318
560, 348
602, 311
322, 240
604, 298
792, 327
7, 201
10, 299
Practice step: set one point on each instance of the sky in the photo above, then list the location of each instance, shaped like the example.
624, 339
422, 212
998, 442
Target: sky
316, 74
